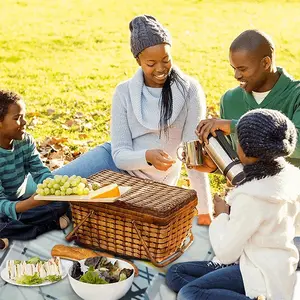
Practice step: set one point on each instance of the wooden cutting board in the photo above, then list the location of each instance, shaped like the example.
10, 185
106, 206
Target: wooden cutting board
84, 198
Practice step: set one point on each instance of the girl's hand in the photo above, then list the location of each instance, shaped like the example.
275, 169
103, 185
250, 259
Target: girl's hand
220, 206
208, 164
159, 159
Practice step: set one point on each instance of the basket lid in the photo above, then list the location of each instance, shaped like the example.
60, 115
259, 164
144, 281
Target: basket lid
146, 196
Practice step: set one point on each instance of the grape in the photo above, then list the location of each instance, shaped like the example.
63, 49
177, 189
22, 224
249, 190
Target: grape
69, 191
67, 184
47, 180
40, 191
81, 185
64, 178
84, 181
74, 183
50, 185
79, 192
64, 185
95, 186
57, 178
56, 186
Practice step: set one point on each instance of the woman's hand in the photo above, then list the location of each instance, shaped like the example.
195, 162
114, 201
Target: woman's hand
220, 206
159, 159
30, 203
205, 127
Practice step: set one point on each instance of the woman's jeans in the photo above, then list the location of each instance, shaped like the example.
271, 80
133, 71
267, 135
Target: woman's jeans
206, 280
91, 162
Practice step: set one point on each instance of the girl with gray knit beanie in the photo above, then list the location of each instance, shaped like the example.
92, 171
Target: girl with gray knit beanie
152, 114
255, 256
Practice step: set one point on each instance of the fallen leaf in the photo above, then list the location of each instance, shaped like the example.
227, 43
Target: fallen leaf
55, 163
34, 121
83, 136
50, 111
33, 114
78, 115
69, 123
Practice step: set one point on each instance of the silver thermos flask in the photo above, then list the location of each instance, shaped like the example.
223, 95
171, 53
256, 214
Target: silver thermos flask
226, 159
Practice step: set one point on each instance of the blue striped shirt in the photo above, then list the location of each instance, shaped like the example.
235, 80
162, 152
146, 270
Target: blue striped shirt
15, 165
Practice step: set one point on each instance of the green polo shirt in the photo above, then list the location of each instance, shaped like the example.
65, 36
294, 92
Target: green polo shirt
284, 96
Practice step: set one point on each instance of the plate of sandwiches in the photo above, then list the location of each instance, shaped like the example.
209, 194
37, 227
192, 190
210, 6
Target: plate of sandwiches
33, 272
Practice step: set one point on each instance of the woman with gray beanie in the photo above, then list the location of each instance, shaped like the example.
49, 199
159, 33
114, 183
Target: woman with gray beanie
255, 254
152, 114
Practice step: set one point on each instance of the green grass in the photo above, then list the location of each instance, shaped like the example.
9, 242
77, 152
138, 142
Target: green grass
69, 55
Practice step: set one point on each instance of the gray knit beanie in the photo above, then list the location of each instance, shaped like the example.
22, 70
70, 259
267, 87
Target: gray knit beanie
266, 134
146, 31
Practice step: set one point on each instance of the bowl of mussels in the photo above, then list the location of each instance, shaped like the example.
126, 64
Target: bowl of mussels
109, 278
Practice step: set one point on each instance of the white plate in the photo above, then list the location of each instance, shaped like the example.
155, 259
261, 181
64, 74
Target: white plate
4, 275
85, 198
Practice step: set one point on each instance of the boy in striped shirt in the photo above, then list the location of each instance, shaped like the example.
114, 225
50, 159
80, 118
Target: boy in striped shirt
22, 217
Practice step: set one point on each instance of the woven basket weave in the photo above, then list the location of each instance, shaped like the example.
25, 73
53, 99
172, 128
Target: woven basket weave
151, 221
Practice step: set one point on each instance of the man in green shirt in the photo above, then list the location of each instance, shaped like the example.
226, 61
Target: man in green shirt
262, 85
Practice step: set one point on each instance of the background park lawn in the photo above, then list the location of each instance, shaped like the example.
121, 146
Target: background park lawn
66, 56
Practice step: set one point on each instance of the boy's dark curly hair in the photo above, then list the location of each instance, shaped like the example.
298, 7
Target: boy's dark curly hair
6, 99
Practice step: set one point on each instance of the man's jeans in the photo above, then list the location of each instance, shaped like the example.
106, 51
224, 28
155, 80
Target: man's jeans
206, 280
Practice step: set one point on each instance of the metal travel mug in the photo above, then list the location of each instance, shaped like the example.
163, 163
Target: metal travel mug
193, 153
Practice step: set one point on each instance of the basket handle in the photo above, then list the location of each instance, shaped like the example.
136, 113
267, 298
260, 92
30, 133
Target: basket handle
70, 236
172, 257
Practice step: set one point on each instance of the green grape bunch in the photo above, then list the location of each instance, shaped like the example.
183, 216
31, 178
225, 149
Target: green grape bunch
63, 186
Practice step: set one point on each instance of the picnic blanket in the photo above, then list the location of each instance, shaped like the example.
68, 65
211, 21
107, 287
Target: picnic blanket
149, 285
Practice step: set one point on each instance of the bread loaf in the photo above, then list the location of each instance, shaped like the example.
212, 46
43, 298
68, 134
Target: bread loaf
76, 253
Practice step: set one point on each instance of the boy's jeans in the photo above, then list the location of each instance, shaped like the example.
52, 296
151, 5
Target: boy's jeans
206, 280
33, 222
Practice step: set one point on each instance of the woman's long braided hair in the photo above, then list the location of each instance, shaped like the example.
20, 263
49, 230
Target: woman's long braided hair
166, 99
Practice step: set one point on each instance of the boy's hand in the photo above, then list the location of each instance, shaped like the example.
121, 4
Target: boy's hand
159, 159
220, 206
29, 204
205, 127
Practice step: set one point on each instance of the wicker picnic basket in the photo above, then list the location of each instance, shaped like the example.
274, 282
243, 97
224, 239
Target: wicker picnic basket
151, 221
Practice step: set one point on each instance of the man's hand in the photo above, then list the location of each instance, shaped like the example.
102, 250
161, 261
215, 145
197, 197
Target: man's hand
30, 203
205, 127
220, 206
159, 159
